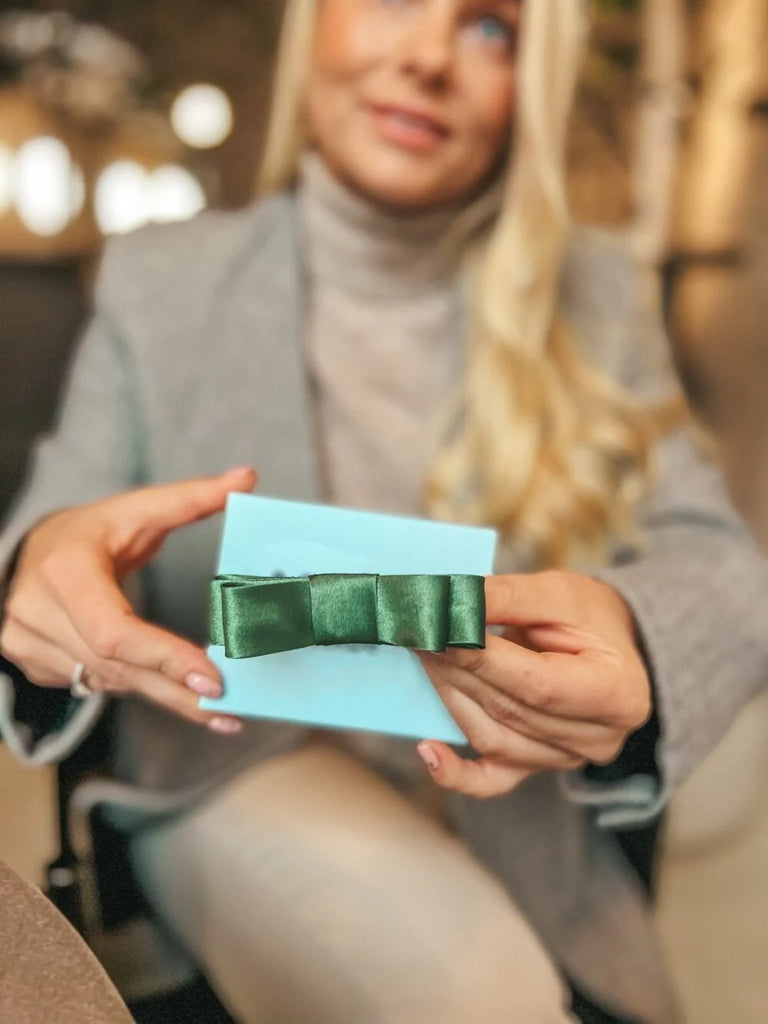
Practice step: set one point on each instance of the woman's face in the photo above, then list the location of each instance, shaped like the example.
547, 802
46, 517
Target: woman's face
410, 101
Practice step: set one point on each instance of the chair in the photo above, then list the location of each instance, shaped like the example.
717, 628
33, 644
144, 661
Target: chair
91, 883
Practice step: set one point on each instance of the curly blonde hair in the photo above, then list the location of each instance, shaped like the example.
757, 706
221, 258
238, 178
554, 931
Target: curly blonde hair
539, 443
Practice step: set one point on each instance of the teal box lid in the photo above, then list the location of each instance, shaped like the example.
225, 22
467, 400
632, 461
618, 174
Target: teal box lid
349, 686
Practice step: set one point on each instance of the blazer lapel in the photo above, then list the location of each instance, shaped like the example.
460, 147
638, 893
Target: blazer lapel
259, 326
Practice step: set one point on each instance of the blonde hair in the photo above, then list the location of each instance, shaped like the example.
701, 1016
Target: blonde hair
542, 445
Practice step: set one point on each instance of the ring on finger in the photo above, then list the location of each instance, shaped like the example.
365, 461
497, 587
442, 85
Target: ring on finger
78, 684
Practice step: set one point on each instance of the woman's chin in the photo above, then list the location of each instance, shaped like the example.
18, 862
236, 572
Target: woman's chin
399, 191
394, 177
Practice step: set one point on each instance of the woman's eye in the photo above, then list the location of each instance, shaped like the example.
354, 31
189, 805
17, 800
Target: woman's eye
491, 29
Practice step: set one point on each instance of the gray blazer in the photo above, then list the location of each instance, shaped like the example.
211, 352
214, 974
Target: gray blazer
193, 362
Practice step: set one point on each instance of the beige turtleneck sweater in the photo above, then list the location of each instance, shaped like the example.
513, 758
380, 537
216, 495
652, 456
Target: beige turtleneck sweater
384, 353
383, 336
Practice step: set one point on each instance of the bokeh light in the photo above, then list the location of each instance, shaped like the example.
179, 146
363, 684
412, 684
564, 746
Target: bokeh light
201, 116
175, 194
127, 195
48, 188
6, 177
121, 201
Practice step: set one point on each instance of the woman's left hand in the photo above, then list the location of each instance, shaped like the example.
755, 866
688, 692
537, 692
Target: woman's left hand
564, 686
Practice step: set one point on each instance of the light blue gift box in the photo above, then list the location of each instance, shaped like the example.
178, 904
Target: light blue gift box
350, 686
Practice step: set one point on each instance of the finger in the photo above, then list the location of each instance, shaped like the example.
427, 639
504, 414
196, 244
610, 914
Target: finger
40, 638
482, 779
47, 637
105, 622
99, 622
46, 664
175, 698
147, 515
502, 743
520, 636
562, 612
580, 687
525, 599
54, 663
584, 738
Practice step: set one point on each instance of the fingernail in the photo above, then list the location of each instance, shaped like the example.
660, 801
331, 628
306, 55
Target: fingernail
239, 469
203, 685
225, 726
428, 756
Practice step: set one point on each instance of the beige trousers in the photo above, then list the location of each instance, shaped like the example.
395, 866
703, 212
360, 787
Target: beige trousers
312, 892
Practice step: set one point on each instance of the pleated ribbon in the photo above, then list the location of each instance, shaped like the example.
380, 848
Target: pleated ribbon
256, 615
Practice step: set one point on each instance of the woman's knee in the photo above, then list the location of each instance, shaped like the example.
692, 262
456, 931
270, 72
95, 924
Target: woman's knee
311, 870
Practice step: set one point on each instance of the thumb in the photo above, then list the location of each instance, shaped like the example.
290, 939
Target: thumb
151, 513
533, 599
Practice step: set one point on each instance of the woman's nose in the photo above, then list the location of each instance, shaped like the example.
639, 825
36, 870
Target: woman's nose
428, 46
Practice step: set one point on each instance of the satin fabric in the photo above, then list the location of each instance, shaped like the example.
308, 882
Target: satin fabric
256, 615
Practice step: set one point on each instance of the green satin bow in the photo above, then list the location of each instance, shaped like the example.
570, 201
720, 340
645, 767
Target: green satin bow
255, 615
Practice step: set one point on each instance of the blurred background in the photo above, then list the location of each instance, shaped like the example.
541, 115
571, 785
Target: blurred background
115, 113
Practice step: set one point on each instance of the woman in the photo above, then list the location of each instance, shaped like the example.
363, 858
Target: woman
320, 336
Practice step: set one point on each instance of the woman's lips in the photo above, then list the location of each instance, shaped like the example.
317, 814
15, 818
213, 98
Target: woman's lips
409, 129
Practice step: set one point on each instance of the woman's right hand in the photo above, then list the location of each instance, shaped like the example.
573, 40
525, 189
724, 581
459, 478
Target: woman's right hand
66, 605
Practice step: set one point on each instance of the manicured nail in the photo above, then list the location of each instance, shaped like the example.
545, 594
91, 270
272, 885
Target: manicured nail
203, 685
225, 726
428, 756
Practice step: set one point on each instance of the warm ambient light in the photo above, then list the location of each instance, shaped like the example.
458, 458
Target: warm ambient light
6, 178
175, 194
128, 195
120, 197
201, 116
47, 187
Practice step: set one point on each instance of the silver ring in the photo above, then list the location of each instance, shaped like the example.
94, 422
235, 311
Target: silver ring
78, 686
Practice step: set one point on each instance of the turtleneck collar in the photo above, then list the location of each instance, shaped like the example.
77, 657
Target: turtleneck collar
353, 244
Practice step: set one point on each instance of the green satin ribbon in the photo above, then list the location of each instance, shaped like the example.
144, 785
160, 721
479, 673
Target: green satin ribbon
256, 615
